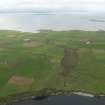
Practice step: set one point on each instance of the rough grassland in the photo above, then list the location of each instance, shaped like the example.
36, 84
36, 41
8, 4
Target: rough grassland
42, 61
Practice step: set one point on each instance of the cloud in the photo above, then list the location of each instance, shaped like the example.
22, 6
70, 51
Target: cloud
32, 4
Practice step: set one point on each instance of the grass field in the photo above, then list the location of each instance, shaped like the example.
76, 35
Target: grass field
33, 61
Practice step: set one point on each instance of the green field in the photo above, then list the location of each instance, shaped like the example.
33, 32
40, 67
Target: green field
65, 60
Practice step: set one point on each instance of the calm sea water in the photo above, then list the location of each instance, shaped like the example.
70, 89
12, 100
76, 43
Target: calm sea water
32, 22
65, 100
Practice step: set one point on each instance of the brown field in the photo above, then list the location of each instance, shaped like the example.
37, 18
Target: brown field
20, 80
31, 44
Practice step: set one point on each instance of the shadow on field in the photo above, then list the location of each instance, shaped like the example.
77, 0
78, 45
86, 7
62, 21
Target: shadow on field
70, 60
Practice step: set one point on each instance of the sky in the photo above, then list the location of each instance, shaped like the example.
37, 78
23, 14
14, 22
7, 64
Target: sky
52, 4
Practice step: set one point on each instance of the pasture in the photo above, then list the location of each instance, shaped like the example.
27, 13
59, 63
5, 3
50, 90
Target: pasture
34, 61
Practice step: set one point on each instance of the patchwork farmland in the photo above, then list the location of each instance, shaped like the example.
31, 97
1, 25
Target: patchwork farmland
64, 60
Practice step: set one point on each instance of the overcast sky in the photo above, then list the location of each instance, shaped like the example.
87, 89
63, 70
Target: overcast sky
33, 4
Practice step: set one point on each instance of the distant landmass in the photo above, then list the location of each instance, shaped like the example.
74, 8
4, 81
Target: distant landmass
26, 11
41, 10
97, 20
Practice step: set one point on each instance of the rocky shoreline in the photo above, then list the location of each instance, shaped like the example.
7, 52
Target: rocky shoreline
43, 94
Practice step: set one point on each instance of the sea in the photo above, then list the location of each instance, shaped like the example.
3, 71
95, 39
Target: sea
33, 22
64, 100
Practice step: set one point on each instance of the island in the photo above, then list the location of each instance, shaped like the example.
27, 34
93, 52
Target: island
96, 20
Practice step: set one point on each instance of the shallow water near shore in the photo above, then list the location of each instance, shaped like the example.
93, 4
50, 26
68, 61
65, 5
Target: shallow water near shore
65, 100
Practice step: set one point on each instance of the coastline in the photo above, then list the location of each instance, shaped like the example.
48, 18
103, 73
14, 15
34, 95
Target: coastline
43, 94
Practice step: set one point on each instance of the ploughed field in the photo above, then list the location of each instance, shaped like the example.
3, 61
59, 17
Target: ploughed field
64, 60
